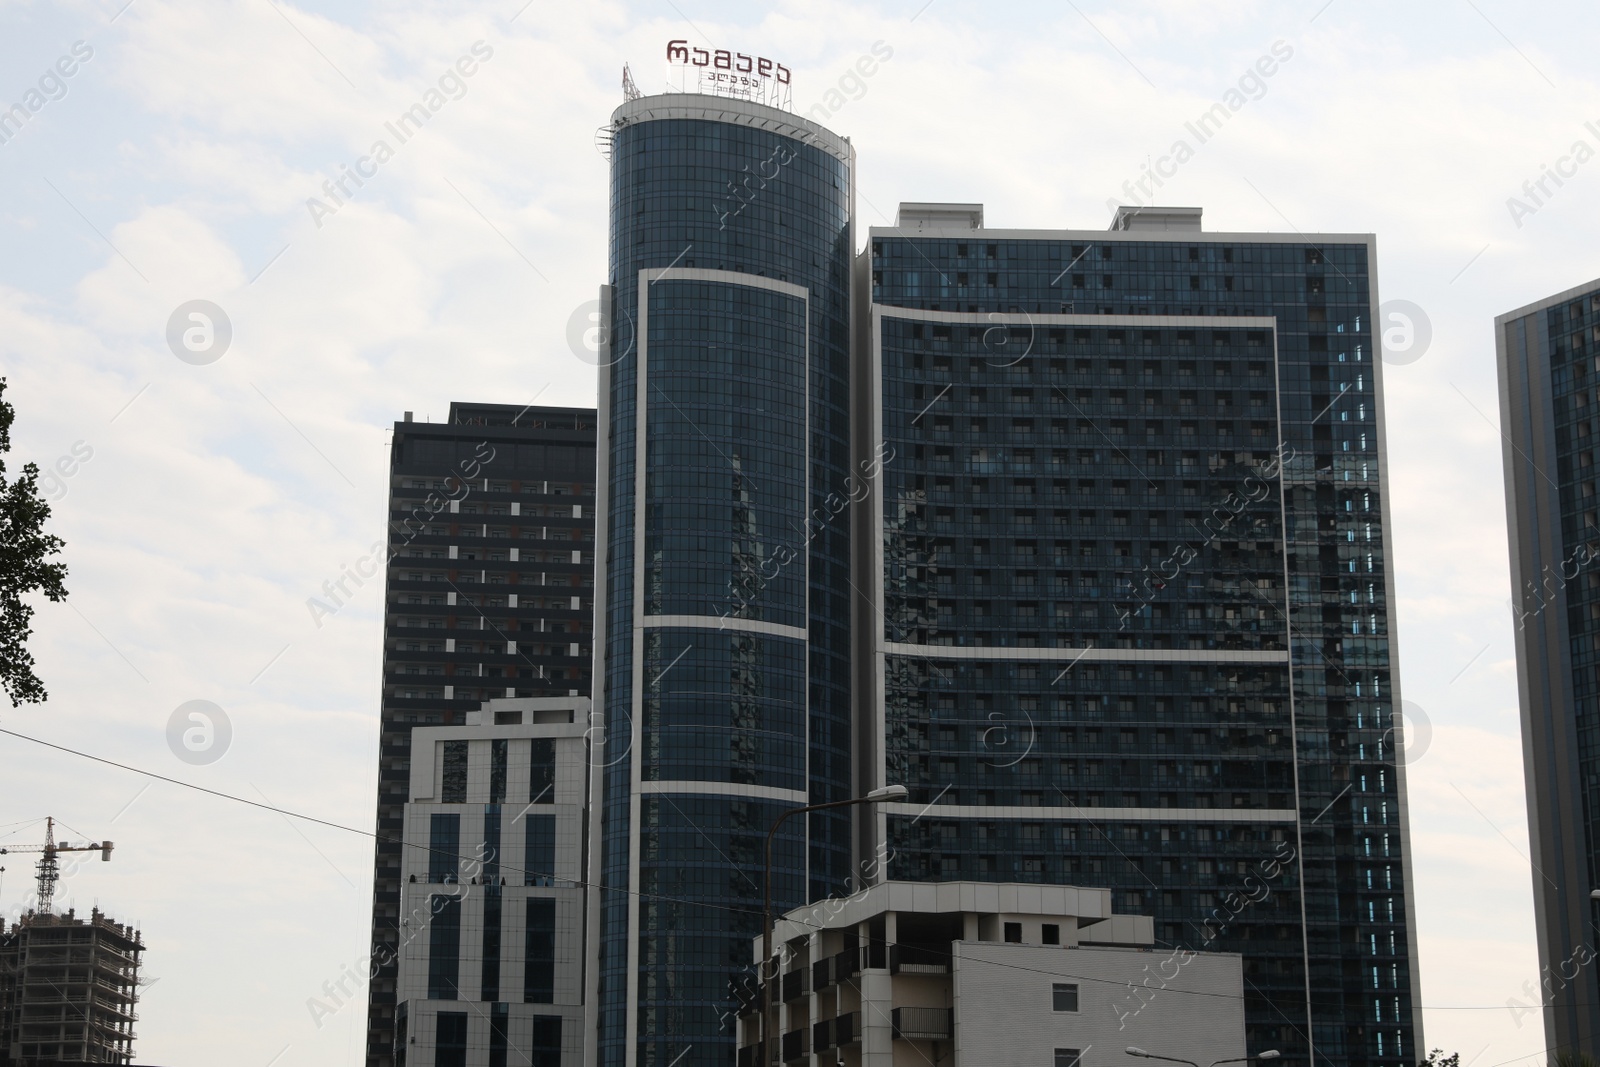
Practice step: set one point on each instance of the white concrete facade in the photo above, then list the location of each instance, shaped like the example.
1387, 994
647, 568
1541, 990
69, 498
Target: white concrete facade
975, 974
1184, 1004
516, 1015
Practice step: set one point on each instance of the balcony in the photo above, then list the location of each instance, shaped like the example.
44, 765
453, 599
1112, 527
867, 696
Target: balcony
822, 973
916, 959
794, 986
936, 1024
796, 1044
831, 1033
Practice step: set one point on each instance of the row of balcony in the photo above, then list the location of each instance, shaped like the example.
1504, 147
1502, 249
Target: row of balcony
526, 640
937, 1024
842, 966
469, 610
435, 535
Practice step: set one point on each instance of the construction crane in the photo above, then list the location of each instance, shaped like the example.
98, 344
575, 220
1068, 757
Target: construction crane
49, 869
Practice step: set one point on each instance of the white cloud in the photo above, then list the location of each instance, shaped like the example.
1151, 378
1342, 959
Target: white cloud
205, 519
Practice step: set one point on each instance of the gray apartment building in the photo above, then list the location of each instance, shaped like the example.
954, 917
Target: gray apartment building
1549, 363
489, 587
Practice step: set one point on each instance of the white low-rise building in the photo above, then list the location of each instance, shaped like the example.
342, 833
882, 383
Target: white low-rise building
976, 974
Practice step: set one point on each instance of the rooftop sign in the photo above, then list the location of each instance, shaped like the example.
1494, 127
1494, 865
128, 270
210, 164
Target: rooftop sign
720, 72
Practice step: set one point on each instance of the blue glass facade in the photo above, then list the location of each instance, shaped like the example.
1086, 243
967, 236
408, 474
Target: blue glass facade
726, 626
1548, 400
1136, 627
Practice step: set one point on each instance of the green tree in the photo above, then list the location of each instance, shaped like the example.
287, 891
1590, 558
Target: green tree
1437, 1058
24, 567
1571, 1058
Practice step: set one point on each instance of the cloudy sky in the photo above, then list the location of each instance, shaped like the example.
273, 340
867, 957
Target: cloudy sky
175, 164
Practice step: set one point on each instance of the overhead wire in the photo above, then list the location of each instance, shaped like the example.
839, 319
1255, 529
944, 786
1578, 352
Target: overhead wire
747, 911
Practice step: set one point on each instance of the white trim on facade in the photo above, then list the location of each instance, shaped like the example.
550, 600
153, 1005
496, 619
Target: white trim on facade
1090, 655
724, 622
642, 622
1073, 811
725, 789
734, 113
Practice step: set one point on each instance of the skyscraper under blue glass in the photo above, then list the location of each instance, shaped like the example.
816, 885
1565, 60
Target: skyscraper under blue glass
1549, 356
1117, 608
1134, 598
724, 635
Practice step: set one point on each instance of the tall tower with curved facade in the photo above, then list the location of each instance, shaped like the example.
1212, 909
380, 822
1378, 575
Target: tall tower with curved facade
724, 636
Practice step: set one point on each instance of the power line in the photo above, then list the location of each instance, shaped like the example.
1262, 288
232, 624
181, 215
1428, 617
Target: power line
632, 892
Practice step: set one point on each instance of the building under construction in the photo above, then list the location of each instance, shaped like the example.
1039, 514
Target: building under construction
68, 988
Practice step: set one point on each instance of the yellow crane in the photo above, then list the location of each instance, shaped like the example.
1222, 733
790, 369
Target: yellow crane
49, 869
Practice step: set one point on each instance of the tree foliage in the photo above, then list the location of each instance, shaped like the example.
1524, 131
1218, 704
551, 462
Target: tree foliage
25, 567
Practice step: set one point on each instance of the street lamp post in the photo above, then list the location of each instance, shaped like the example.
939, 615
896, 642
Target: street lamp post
1133, 1050
887, 793
1269, 1054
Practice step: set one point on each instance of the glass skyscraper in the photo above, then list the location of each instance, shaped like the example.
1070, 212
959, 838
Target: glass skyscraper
1081, 536
1549, 358
724, 631
1134, 599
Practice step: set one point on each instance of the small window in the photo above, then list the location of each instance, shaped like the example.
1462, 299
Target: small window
1064, 997
1068, 1057
1052, 934
1014, 933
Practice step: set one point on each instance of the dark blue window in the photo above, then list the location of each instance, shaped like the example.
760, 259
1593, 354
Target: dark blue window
539, 953
499, 751
453, 789
491, 844
490, 990
451, 1047
539, 855
499, 1045
546, 1050
542, 771
444, 949
444, 848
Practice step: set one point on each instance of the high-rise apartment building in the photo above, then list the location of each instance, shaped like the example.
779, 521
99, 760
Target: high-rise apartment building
1549, 359
489, 580
1078, 535
725, 635
1135, 608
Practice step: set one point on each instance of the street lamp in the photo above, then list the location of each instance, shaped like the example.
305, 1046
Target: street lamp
1133, 1050
886, 794
1269, 1054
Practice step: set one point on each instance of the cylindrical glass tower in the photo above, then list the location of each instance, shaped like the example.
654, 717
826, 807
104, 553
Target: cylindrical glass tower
724, 651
